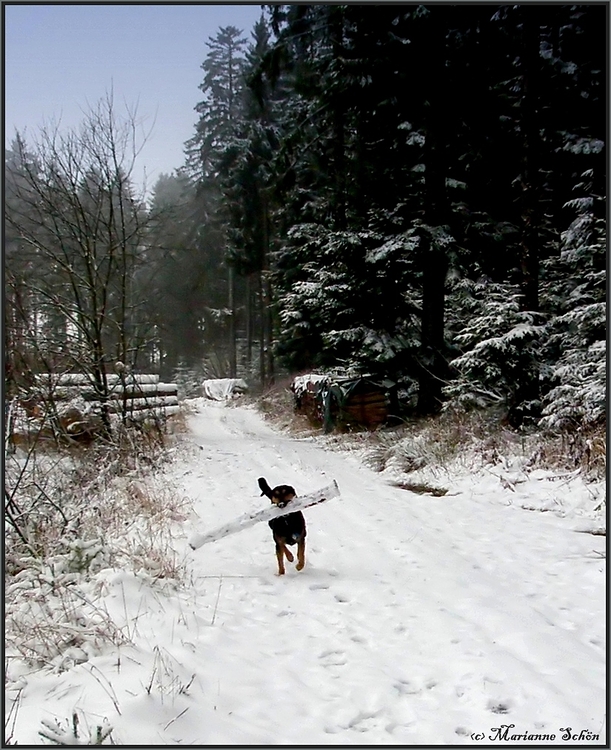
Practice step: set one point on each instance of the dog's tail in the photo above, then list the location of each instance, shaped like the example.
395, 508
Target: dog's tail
265, 488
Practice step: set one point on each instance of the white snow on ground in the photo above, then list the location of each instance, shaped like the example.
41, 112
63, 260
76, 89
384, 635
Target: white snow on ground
417, 619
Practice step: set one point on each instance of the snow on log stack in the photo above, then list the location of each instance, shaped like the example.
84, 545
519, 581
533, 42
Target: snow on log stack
222, 389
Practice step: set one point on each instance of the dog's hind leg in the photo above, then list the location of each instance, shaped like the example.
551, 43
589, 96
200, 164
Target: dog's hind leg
300, 554
288, 553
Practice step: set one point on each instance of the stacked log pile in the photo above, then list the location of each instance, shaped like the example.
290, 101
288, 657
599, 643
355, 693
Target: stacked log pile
69, 406
138, 396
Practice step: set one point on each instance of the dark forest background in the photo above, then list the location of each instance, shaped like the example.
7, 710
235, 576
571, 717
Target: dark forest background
413, 192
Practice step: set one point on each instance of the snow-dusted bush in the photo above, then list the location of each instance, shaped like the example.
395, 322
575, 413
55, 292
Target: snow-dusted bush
576, 334
71, 732
578, 395
51, 620
500, 343
549, 366
437, 443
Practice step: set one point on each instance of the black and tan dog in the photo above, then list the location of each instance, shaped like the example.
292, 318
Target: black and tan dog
288, 529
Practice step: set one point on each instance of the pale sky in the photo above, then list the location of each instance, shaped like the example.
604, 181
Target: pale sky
61, 58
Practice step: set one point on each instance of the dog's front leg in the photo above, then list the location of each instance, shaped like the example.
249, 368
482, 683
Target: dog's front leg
300, 554
280, 557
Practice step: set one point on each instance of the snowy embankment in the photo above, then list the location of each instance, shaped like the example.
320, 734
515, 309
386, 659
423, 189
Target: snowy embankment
416, 620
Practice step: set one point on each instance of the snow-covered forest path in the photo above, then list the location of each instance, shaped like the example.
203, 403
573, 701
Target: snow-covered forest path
416, 620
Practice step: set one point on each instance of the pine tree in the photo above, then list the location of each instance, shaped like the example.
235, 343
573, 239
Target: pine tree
574, 291
543, 123
220, 114
246, 166
178, 276
339, 205
221, 107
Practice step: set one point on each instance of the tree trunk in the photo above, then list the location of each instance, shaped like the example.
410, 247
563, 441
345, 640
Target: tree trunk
433, 366
531, 190
528, 389
339, 135
262, 330
249, 321
269, 350
267, 355
232, 325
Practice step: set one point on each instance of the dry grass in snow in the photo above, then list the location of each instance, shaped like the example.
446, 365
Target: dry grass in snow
74, 518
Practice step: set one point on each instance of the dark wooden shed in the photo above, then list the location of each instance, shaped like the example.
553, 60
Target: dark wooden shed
350, 402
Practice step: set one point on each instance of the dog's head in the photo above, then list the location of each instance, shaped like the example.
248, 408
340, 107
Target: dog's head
282, 495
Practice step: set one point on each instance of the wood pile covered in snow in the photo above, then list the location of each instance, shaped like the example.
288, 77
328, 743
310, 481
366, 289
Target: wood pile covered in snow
140, 395
71, 404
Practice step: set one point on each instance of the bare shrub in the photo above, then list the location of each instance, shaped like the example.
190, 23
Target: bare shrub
73, 512
433, 442
277, 405
473, 439
584, 449
168, 676
50, 622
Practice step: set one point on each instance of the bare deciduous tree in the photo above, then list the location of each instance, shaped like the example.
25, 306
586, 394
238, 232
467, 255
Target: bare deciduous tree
77, 239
